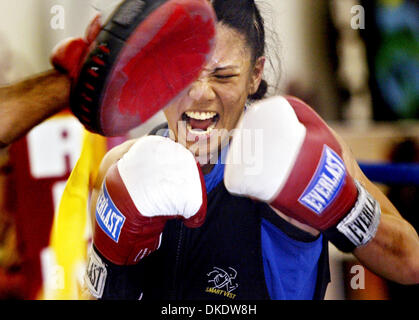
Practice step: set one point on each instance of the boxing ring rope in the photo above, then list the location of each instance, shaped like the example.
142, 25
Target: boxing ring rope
391, 173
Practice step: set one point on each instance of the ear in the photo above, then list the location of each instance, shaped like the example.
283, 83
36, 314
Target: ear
256, 75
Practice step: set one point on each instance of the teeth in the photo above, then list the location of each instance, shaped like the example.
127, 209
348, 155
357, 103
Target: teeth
201, 115
200, 132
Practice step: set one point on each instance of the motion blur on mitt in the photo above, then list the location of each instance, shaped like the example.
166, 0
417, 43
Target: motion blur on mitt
142, 58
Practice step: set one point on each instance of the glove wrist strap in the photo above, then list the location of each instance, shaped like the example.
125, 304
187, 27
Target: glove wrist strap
109, 281
359, 226
96, 274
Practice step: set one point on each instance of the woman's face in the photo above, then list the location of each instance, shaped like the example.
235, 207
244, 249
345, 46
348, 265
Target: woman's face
202, 118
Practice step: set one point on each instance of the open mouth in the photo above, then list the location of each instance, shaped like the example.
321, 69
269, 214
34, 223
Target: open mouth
200, 123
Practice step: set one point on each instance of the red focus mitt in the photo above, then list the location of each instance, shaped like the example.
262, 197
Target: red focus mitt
145, 55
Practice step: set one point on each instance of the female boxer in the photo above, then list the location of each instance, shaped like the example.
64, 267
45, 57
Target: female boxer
256, 236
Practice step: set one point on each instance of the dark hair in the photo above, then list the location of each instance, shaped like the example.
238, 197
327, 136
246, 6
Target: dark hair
245, 17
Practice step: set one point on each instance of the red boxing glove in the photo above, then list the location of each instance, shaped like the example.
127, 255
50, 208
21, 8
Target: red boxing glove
156, 180
301, 173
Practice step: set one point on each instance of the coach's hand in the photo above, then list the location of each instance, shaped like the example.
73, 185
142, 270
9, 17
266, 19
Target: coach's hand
156, 180
68, 55
302, 173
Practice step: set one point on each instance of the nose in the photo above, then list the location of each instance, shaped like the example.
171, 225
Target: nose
201, 90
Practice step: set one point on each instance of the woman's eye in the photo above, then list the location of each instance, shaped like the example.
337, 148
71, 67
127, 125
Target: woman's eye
224, 76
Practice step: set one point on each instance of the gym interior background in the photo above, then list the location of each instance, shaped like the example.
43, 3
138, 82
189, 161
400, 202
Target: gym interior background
356, 62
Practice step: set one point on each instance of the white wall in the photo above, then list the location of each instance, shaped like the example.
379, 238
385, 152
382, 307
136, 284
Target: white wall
27, 37
302, 32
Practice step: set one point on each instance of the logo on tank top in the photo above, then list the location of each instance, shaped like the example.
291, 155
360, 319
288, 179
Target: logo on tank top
223, 282
108, 217
326, 182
